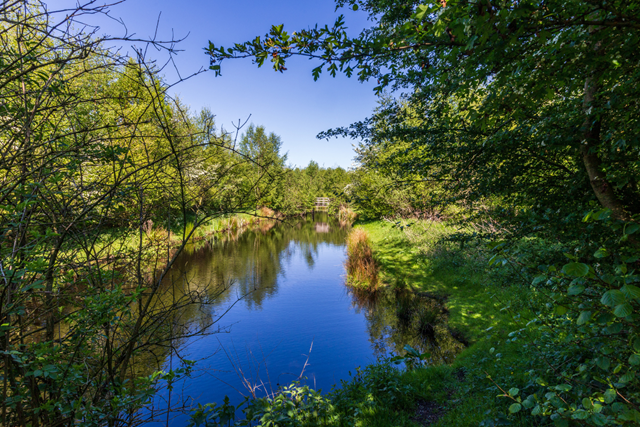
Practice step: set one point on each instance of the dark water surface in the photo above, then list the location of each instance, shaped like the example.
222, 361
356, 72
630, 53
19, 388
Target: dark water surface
282, 291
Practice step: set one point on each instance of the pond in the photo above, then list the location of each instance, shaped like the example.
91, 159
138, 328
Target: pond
283, 312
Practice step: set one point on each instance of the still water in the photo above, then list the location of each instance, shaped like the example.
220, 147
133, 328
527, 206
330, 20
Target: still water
282, 310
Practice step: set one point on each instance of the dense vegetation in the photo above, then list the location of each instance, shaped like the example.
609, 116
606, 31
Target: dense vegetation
507, 164
519, 122
104, 177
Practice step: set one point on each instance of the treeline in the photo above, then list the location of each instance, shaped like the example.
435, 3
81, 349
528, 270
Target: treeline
291, 190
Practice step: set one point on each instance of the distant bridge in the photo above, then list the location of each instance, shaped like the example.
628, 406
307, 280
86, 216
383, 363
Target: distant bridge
322, 203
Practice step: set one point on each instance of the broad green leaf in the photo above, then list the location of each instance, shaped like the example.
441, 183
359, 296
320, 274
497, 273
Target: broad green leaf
580, 414
539, 279
634, 359
610, 396
514, 391
529, 402
601, 253
623, 310
603, 362
576, 269
586, 402
631, 291
631, 228
612, 298
516, 407
560, 310
575, 289
584, 317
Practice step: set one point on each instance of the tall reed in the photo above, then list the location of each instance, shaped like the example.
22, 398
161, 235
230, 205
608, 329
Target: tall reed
346, 215
362, 268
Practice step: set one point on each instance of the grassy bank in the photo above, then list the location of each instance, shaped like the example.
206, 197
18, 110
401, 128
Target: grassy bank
486, 305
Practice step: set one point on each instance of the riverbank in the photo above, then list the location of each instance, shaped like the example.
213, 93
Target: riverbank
485, 305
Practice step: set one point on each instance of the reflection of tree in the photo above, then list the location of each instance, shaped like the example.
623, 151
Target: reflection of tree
399, 317
245, 265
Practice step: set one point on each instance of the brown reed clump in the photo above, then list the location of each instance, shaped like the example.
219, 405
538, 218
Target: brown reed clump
362, 268
346, 215
265, 212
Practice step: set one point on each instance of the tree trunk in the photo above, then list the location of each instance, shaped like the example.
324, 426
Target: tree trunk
591, 139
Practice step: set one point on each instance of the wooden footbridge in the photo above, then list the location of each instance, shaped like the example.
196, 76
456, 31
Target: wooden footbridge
322, 203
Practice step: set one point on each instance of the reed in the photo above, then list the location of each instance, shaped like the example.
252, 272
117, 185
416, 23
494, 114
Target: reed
362, 268
265, 212
346, 215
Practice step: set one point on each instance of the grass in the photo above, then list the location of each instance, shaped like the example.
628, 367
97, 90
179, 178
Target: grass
346, 215
485, 305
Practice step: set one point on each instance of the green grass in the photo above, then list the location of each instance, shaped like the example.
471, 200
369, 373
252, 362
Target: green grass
485, 305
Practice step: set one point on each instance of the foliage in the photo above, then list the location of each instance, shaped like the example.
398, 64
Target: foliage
378, 387
525, 114
93, 153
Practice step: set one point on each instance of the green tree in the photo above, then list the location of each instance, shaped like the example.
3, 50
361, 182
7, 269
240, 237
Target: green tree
538, 93
268, 165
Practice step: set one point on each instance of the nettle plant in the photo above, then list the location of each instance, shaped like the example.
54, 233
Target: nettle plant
588, 335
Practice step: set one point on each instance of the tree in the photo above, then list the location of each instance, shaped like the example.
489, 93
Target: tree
92, 151
513, 89
268, 164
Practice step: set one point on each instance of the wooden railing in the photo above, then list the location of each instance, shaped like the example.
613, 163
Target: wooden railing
322, 203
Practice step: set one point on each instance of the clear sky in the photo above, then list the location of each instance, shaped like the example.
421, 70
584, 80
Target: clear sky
290, 104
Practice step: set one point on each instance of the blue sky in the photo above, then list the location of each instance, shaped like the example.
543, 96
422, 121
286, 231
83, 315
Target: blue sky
291, 104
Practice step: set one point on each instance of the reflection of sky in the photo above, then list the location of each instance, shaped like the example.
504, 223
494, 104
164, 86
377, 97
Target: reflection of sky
307, 305
300, 301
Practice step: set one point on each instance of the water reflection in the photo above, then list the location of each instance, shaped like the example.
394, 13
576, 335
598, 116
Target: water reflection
278, 289
397, 317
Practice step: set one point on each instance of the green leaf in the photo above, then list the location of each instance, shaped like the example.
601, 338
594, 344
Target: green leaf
586, 402
580, 414
631, 291
421, 11
584, 317
612, 298
623, 310
514, 391
560, 310
575, 289
516, 407
529, 402
539, 279
576, 269
355, 7
601, 253
603, 362
610, 396
631, 228
636, 344
634, 359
